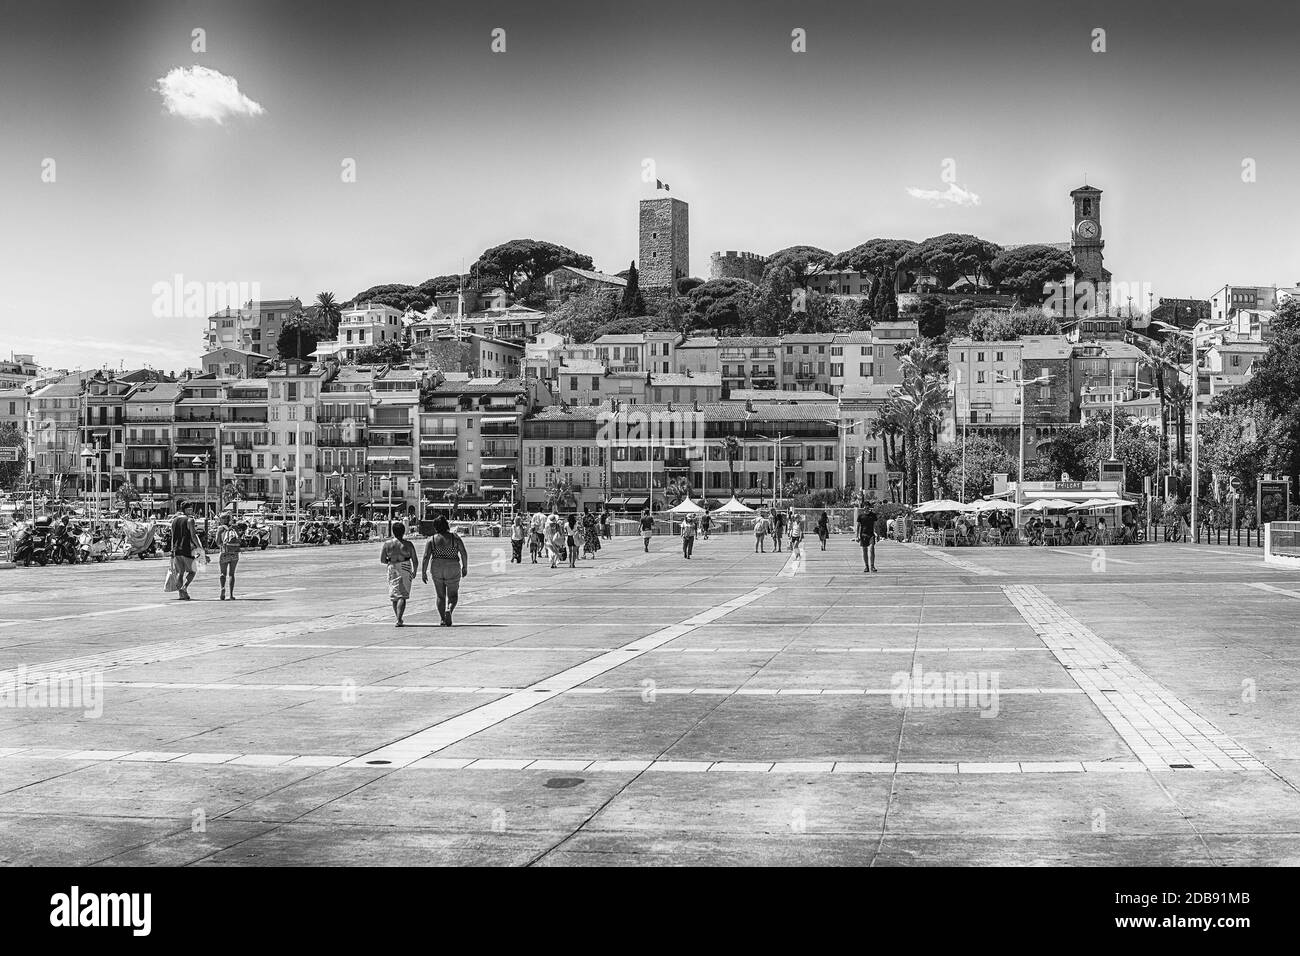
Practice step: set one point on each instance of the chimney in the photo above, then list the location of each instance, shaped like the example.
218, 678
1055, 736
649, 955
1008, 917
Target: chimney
697, 407
749, 405
670, 406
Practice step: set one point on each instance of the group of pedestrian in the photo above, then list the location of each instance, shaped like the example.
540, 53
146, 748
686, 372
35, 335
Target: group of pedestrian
445, 560
779, 524
189, 553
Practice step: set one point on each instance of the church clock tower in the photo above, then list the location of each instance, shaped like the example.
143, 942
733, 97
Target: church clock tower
1086, 245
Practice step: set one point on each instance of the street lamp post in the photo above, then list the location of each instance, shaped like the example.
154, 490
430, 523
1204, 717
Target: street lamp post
284, 496
1020, 383
1194, 337
776, 441
844, 429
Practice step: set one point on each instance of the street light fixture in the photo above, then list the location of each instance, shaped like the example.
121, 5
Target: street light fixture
1195, 338
776, 441
1020, 480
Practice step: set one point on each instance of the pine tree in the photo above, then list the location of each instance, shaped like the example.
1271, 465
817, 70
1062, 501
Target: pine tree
633, 304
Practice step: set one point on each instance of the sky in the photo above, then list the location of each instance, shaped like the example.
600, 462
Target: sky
227, 165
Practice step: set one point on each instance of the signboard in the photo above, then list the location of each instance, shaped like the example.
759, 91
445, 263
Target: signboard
9, 453
1111, 470
1272, 500
1066, 485
893, 476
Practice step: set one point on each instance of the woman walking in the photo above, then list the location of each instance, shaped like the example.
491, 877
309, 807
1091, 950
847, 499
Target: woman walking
590, 535
555, 538
446, 560
796, 534
760, 534
399, 554
571, 535
517, 533
823, 529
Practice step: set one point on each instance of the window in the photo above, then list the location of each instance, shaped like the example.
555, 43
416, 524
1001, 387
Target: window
871, 481
261, 461
864, 369
568, 456
837, 350
871, 453
997, 356
573, 383
980, 375
306, 460
837, 369
532, 455
979, 356
548, 457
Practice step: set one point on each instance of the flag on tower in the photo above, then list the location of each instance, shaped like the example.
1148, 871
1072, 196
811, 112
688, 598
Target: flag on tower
660, 184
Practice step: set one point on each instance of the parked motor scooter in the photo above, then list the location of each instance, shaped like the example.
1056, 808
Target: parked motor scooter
35, 544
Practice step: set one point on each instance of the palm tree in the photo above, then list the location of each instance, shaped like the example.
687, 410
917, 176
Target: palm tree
678, 490
731, 448
329, 313
889, 426
457, 491
922, 399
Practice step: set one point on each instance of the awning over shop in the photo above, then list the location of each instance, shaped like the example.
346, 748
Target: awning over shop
636, 501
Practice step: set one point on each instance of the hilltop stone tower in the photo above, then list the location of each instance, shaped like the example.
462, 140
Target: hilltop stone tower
737, 265
665, 242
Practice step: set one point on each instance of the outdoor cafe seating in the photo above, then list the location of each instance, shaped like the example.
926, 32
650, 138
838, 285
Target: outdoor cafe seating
1046, 522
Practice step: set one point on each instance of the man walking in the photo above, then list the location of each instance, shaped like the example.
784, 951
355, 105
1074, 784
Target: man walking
778, 528
867, 536
185, 545
688, 536
706, 521
647, 529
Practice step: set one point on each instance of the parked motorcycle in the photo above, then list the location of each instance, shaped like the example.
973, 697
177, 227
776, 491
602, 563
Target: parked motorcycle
63, 547
34, 543
254, 536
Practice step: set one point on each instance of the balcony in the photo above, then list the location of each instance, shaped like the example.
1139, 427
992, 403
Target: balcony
500, 450
205, 439
805, 375
434, 473
501, 430
438, 451
195, 415
133, 417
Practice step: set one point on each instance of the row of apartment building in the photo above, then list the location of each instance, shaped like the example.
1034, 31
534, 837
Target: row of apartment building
391, 438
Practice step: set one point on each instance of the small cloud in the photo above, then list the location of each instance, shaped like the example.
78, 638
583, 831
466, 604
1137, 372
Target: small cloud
954, 195
197, 93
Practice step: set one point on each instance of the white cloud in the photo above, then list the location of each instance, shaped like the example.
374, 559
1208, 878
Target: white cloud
954, 195
197, 93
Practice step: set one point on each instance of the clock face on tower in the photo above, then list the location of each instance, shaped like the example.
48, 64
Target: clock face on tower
1087, 229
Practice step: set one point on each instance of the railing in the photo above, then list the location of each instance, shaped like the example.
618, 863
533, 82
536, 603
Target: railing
438, 453
1237, 537
505, 431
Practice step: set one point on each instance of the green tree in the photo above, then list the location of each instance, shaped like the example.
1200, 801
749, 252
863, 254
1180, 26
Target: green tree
1025, 270
723, 304
1272, 387
731, 450
952, 256
804, 262
525, 260
11, 472
578, 317
932, 316
455, 494
329, 314
386, 353
632, 304
299, 337
984, 458
997, 325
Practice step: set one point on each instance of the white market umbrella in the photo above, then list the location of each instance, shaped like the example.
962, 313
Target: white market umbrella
687, 507
733, 507
1098, 503
941, 504
996, 504
1047, 504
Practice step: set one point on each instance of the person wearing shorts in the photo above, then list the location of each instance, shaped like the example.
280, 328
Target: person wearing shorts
446, 561
760, 535
688, 536
647, 529
228, 553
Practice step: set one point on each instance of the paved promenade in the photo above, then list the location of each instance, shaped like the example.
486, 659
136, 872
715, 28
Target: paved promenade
985, 706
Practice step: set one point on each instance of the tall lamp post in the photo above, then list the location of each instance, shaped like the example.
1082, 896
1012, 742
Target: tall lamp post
1020, 383
1195, 339
776, 441
87, 456
284, 496
201, 461
844, 429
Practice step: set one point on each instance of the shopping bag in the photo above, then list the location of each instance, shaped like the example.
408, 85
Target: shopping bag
173, 582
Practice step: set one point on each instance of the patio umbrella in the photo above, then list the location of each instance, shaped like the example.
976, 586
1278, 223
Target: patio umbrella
687, 507
941, 504
733, 507
1047, 504
1097, 503
993, 505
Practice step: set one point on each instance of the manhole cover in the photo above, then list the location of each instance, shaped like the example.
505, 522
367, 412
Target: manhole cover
378, 762
563, 783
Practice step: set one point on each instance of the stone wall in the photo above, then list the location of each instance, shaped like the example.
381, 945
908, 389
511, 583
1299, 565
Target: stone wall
737, 265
